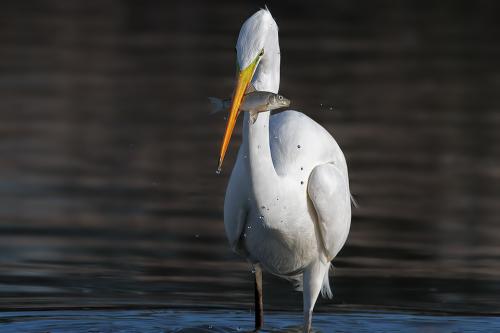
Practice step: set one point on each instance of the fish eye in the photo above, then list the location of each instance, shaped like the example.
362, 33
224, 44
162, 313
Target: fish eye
280, 97
261, 53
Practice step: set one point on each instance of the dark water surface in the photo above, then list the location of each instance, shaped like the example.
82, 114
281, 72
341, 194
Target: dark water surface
153, 321
108, 191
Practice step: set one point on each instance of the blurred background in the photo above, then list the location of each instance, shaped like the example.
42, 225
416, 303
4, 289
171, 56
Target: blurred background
109, 196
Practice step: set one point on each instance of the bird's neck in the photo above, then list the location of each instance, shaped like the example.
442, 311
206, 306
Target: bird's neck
262, 172
256, 134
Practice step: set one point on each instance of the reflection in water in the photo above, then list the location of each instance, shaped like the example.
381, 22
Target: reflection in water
108, 189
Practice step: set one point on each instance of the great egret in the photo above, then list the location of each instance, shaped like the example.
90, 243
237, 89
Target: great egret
287, 206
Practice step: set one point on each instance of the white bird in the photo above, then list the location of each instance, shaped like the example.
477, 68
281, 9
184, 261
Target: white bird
287, 208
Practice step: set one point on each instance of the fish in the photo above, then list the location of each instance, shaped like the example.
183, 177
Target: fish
253, 102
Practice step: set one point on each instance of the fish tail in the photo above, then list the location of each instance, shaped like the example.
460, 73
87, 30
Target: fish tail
217, 104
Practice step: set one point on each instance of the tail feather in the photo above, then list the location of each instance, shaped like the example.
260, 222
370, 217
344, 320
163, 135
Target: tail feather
326, 291
217, 104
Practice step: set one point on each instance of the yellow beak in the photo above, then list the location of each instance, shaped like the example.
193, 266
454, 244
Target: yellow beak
244, 78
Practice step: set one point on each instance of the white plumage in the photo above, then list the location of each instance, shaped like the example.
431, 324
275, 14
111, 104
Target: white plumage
287, 207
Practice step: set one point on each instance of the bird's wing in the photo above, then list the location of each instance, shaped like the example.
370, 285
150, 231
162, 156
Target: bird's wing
328, 189
236, 204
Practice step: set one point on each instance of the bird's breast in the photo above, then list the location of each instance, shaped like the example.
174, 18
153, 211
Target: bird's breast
281, 235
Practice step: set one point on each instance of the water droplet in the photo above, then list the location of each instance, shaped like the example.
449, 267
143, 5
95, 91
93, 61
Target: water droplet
331, 108
245, 235
298, 146
320, 104
197, 236
301, 183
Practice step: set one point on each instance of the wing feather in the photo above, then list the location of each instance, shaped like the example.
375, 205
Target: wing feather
328, 189
236, 204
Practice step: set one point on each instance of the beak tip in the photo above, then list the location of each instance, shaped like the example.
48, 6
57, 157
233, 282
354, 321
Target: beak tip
219, 168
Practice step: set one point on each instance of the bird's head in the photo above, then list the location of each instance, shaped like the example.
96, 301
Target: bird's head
258, 63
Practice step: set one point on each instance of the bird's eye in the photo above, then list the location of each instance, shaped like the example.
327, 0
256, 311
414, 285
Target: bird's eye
261, 53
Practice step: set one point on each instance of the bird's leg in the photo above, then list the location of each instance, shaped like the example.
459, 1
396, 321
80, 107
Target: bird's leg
313, 277
307, 321
259, 308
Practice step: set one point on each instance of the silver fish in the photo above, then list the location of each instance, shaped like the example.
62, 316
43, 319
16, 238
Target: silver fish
253, 102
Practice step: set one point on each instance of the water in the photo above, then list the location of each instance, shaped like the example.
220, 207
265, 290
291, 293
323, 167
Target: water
149, 321
109, 199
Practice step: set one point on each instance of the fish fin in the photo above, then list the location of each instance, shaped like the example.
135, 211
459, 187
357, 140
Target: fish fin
217, 104
253, 116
